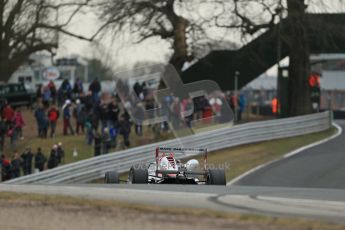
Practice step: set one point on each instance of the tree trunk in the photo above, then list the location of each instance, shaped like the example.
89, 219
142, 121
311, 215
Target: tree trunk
5, 68
299, 69
180, 54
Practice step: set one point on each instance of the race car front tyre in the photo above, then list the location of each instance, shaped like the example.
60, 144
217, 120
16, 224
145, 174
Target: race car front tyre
216, 177
138, 174
112, 177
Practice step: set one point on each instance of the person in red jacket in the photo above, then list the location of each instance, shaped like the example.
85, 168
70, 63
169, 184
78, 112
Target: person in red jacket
19, 123
53, 116
8, 114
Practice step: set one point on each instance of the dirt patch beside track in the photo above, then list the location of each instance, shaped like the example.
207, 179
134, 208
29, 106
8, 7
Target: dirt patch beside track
66, 213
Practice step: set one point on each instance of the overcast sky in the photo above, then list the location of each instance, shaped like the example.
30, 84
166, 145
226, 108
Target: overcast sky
125, 54
115, 53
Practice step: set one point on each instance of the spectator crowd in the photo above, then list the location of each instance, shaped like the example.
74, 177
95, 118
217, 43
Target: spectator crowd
101, 118
22, 164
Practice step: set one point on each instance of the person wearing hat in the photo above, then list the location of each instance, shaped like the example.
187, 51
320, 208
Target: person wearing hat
67, 118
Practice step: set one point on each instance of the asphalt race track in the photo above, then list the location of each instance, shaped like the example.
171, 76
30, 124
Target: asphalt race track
274, 201
320, 167
308, 185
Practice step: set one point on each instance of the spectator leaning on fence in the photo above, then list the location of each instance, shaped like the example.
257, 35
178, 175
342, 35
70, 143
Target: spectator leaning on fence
6, 168
61, 154
16, 163
40, 160
53, 161
27, 161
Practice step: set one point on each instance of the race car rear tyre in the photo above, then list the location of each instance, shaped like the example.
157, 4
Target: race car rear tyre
112, 177
216, 177
138, 174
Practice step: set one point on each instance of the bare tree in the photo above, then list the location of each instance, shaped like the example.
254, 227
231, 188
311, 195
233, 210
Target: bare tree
254, 17
29, 26
98, 69
170, 20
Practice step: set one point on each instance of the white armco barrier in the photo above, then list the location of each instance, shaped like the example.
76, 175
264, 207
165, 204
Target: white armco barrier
95, 168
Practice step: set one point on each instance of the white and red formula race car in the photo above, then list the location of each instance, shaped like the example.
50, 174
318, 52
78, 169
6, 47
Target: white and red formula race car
166, 169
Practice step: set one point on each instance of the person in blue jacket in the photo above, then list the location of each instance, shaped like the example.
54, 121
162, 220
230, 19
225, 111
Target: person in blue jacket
67, 118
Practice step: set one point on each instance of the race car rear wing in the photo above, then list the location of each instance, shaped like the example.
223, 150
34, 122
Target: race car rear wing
182, 150
169, 150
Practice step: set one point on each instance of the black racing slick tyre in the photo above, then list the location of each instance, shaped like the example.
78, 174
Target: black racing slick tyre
216, 177
112, 177
138, 174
